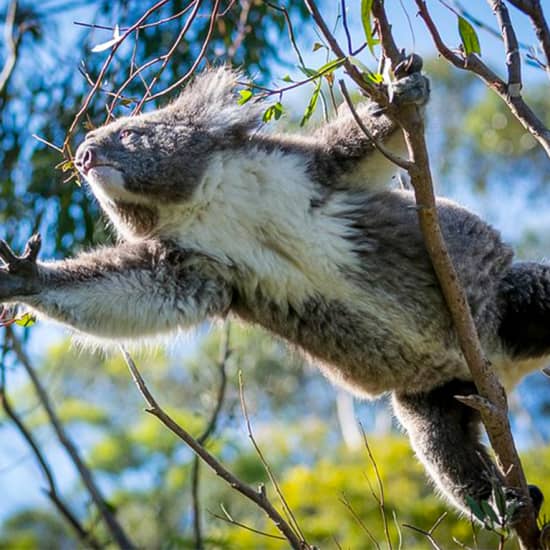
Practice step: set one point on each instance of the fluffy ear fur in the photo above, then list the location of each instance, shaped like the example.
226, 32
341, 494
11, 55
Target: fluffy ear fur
210, 101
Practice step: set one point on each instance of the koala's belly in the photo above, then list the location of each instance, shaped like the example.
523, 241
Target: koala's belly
367, 353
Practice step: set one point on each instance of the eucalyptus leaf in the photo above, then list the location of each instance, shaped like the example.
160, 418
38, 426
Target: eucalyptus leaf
469, 38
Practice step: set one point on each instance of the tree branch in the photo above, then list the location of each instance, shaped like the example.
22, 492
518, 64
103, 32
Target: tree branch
533, 9
513, 59
472, 63
411, 121
12, 40
258, 497
225, 352
83, 535
114, 528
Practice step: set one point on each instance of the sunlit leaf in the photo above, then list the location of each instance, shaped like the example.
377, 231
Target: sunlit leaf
366, 8
26, 320
273, 112
469, 38
245, 96
312, 105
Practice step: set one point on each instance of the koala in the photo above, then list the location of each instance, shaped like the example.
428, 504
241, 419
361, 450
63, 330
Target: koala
306, 236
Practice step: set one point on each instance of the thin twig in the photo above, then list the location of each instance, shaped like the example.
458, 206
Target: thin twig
232, 521
207, 433
288, 511
166, 58
11, 39
193, 68
291, 33
104, 68
392, 157
429, 534
258, 497
105, 510
52, 492
360, 522
381, 495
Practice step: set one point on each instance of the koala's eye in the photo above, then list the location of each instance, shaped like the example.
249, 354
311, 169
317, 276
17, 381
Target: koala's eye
125, 134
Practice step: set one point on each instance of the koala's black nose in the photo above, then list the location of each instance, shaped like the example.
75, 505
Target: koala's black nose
86, 158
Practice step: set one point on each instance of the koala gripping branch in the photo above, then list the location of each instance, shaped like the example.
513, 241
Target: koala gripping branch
491, 403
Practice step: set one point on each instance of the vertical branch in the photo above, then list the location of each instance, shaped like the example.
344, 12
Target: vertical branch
491, 403
492, 400
114, 528
513, 59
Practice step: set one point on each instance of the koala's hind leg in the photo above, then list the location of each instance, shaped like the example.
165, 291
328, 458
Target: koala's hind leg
445, 435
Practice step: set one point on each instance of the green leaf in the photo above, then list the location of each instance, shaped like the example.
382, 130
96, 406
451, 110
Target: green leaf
273, 112
489, 512
500, 500
366, 8
26, 320
377, 78
317, 46
245, 96
469, 38
287, 78
67, 165
310, 109
475, 508
324, 69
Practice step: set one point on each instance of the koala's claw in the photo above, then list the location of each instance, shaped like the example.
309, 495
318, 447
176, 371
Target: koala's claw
411, 89
411, 64
32, 248
517, 504
19, 274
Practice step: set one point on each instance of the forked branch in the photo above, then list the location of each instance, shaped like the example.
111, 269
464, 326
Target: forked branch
257, 497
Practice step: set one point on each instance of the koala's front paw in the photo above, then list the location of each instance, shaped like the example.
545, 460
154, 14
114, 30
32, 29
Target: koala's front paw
19, 274
516, 504
410, 86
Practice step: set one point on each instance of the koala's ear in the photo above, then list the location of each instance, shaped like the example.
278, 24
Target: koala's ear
211, 102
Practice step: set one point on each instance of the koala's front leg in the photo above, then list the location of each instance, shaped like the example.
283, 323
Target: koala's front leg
122, 292
344, 153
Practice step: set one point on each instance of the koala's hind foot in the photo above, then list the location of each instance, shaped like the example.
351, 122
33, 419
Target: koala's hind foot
445, 435
19, 274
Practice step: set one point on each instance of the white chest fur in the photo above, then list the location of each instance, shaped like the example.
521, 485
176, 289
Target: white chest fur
254, 210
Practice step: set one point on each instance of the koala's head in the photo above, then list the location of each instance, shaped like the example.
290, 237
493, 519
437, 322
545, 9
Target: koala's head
160, 157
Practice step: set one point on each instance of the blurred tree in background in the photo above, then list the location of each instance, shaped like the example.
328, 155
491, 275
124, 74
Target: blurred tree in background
480, 153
